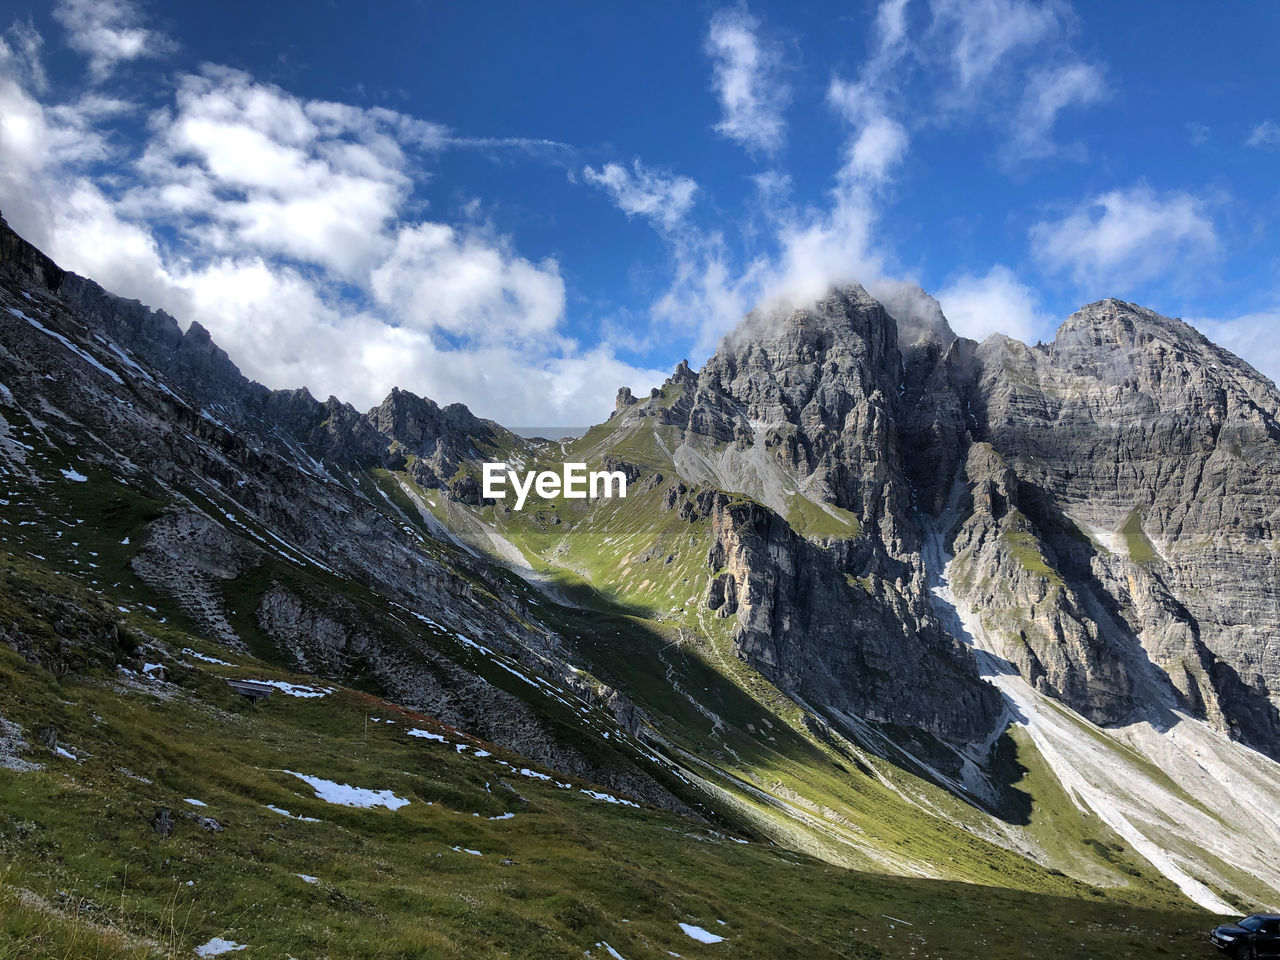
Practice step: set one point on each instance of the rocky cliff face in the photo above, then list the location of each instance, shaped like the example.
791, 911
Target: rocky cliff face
848, 643
816, 388
1111, 499
803, 410
1009, 573
1163, 450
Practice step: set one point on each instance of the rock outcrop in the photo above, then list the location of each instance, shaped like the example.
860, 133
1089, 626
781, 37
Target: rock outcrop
1163, 450
1112, 501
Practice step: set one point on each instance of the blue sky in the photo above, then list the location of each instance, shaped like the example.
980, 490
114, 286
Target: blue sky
523, 207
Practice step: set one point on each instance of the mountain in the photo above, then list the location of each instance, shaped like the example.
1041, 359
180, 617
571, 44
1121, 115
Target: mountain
931, 622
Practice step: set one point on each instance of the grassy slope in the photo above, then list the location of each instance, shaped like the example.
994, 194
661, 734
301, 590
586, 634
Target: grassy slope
390, 882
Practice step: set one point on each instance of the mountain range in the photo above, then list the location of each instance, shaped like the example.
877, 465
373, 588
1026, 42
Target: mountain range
889, 622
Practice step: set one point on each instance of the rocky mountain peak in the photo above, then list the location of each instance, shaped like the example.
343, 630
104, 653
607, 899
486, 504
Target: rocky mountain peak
1121, 343
918, 315
791, 331
25, 263
408, 418
1113, 321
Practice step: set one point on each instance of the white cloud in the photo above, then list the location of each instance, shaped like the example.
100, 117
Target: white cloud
465, 283
238, 164
1011, 62
108, 32
1048, 93
22, 54
296, 247
282, 330
891, 24
661, 198
1124, 238
1266, 134
709, 291
880, 142
998, 302
35, 140
747, 79
982, 35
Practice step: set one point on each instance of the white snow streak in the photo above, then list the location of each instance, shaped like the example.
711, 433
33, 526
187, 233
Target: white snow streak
345, 795
697, 933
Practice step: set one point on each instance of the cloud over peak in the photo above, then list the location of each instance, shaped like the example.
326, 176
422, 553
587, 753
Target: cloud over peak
997, 302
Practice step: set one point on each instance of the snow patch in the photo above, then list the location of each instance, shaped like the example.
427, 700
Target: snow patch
286, 813
74, 475
217, 946
608, 798
697, 933
426, 735
200, 656
345, 795
296, 689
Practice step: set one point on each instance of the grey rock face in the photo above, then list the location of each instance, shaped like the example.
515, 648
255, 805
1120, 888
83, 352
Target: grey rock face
13, 747
440, 440
818, 384
1011, 575
1165, 450
1118, 497
813, 628
188, 556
